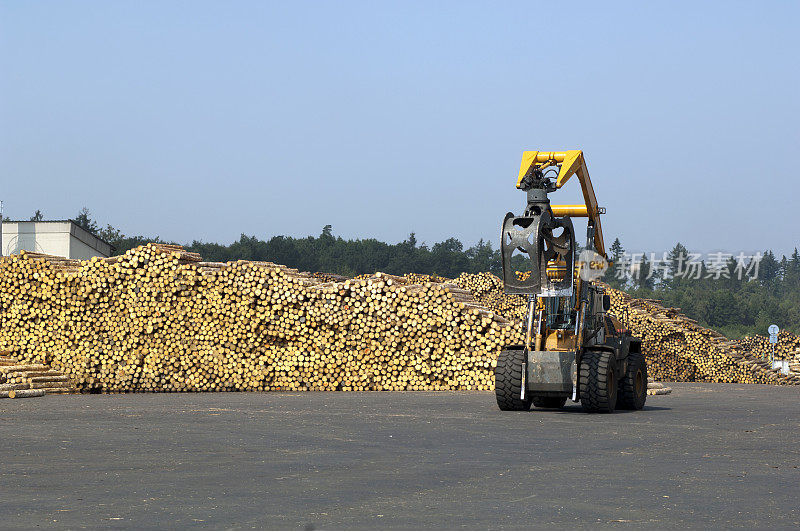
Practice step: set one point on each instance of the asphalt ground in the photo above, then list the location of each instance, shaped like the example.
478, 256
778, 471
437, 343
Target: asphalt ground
706, 455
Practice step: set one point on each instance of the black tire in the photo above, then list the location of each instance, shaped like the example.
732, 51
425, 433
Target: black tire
598, 382
508, 381
549, 402
632, 391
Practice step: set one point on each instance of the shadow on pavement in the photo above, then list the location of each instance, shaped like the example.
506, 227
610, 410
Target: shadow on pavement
576, 408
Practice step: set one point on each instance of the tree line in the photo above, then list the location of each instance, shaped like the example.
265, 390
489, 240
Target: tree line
328, 253
732, 296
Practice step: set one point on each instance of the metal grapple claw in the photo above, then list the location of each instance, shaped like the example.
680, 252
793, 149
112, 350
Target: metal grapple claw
529, 247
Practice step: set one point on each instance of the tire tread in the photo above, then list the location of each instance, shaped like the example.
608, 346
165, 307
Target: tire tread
593, 380
508, 381
626, 394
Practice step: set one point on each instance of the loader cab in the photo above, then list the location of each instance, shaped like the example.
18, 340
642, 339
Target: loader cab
560, 312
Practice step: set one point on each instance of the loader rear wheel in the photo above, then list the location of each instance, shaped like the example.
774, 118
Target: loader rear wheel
508, 380
632, 391
598, 381
549, 402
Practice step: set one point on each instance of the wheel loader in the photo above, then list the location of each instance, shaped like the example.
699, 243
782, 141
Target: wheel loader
573, 347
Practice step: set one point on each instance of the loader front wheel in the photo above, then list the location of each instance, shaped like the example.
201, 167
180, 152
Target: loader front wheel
598, 381
509, 379
549, 402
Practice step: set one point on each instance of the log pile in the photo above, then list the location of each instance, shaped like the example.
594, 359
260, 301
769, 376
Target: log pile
787, 347
158, 318
678, 349
21, 380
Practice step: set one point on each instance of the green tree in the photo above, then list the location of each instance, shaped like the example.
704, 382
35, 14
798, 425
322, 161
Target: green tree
37, 216
617, 254
769, 267
794, 264
644, 279
482, 257
677, 258
85, 221
111, 235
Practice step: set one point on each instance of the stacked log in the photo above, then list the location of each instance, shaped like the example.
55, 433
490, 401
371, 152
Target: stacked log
488, 291
329, 277
22, 393
657, 388
794, 365
160, 319
419, 278
20, 380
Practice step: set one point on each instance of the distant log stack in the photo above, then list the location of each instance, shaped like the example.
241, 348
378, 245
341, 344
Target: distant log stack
678, 349
787, 347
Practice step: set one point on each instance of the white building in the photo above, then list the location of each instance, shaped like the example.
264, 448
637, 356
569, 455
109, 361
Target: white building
60, 238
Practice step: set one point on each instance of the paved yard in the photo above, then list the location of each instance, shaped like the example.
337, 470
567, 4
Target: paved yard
707, 455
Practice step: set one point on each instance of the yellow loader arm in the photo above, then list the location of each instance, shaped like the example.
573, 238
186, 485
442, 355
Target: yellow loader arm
572, 163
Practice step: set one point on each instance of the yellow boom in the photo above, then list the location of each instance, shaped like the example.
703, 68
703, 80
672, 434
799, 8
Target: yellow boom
572, 163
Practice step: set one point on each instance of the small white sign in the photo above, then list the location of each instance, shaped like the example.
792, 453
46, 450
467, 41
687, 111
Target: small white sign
773, 330
773, 338
781, 365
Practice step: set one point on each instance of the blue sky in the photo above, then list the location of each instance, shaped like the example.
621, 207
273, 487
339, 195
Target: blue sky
204, 120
